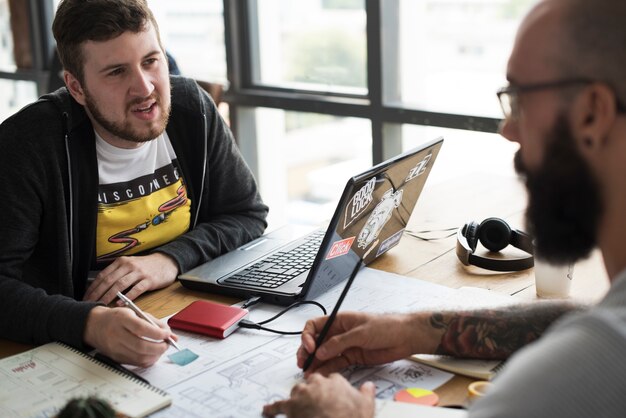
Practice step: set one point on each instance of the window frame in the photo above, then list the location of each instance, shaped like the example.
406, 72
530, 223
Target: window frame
377, 106
242, 95
40, 15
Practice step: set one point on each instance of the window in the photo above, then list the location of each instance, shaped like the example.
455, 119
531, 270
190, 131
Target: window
192, 31
434, 66
320, 89
310, 45
7, 62
14, 94
463, 152
453, 54
304, 160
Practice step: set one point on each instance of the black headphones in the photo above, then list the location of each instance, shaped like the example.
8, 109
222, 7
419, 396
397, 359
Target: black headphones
494, 234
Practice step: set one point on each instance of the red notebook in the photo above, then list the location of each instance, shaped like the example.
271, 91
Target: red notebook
209, 318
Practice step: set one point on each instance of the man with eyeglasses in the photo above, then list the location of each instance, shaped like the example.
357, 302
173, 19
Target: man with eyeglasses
564, 106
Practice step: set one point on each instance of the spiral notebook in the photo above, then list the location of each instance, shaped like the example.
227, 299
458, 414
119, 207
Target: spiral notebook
39, 382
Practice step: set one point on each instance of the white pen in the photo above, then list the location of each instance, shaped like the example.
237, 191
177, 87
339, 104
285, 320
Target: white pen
142, 315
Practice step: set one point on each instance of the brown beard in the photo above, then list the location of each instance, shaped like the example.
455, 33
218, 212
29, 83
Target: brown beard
125, 130
564, 200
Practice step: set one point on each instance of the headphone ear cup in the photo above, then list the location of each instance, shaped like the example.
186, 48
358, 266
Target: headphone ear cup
470, 231
494, 234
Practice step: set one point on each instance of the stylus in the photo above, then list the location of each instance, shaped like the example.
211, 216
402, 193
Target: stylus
331, 318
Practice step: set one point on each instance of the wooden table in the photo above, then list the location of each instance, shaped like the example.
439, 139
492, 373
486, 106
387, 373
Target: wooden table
474, 195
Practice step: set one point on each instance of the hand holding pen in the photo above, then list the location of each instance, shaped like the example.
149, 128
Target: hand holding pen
129, 303
324, 332
183, 356
120, 334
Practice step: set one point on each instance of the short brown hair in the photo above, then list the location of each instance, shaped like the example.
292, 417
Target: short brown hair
78, 21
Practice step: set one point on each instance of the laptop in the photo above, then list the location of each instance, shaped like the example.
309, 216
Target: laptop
369, 220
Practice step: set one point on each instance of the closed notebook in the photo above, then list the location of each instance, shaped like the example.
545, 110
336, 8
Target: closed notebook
209, 318
39, 382
479, 369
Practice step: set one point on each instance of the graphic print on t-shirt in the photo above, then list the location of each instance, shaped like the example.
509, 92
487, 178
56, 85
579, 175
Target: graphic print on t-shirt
141, 214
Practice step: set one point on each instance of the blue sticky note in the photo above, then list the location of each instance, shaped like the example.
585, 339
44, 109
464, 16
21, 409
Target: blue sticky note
183, 357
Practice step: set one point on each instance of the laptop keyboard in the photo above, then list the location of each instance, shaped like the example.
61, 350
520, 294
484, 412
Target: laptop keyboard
280, 267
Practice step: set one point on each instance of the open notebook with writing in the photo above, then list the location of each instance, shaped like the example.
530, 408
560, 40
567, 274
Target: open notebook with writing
39, 382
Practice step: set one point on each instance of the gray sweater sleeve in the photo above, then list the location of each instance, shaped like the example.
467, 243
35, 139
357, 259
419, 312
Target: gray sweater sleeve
31, 316
231, 212
32, 252
576, 370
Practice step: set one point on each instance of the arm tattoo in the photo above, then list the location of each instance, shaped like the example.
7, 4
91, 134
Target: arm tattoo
495, 333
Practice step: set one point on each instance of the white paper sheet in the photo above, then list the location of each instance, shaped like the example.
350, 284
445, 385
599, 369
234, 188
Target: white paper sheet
238, 375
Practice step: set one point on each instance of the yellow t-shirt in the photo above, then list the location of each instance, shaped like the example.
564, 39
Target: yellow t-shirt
142, 198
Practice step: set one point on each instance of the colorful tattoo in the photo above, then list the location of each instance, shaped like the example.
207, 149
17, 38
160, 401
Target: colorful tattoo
496, 333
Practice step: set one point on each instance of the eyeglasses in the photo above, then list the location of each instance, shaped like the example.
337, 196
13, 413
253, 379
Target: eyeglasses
509, 95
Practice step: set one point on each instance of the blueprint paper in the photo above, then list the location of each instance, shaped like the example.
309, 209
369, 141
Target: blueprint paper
236, 376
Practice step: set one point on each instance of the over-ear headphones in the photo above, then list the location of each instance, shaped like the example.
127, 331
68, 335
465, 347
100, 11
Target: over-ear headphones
494, 234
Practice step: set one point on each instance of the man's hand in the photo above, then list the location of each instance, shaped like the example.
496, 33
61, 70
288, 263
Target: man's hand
331, 396
120, 334
138, 274
365, 339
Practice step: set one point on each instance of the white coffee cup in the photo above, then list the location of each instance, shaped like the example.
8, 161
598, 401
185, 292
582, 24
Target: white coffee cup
551, 280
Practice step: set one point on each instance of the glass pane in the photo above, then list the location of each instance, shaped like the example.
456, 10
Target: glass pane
453, 54
463, 152
14, 95
311, 45
7, 61
192, 31
304, 161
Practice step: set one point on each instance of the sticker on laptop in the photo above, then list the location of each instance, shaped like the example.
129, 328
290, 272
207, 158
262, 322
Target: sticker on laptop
367, 253
359, 202
419, 169
340, 248
390, 242
379, 217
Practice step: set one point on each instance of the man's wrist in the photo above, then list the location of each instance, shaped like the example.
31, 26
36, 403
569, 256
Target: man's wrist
423, 337
170, 260
90, 333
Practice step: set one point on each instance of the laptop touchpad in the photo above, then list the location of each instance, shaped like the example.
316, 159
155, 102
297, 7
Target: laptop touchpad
262, 245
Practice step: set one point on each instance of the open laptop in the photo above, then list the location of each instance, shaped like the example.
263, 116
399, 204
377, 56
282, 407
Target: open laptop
370, 218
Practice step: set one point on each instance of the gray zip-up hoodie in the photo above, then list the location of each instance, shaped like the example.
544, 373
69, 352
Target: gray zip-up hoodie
48, 204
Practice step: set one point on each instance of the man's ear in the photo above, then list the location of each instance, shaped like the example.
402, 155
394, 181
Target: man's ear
74, 87
593, 115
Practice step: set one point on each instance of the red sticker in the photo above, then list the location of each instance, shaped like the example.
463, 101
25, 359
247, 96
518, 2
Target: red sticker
340, 248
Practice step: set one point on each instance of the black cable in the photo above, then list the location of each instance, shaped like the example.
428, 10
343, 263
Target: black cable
250, 302
244, 323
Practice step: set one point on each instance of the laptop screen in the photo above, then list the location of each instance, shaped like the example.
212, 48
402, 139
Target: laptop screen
372, 214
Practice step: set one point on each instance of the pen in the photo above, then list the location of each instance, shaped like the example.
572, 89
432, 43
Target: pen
142, 315
331, 318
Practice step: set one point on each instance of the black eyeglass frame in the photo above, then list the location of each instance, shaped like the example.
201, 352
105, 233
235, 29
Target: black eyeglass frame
516, 89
